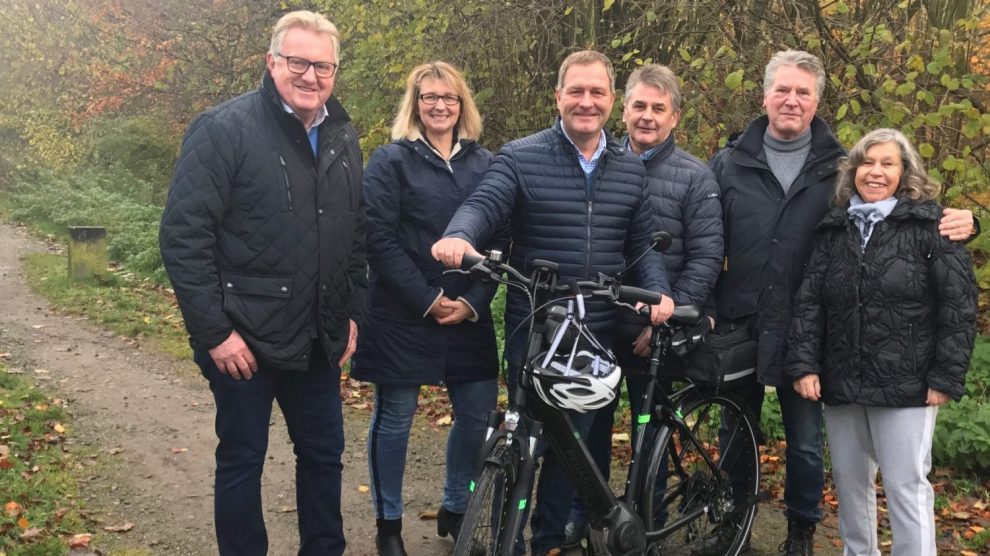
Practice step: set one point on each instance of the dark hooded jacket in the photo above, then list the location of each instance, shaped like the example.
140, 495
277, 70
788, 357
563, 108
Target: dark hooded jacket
768, 234
884, 325
411, 193
260, 236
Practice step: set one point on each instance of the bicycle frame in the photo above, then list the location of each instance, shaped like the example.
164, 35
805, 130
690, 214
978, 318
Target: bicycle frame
540, 421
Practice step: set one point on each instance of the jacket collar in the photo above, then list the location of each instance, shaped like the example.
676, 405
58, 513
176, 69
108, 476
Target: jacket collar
335, 111
906, 209
750, 143
657, 153
420, 147
612, 145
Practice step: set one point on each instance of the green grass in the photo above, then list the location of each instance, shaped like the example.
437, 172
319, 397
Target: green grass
37, 488
121, 302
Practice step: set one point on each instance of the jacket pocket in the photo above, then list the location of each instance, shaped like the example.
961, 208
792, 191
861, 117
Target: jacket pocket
258, 305
285, 186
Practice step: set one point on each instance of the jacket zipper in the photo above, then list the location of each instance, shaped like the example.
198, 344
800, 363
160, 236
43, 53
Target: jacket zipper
285, 176
587, 260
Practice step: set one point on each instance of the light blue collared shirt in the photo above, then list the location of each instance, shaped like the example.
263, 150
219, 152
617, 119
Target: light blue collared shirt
587, 165
312, 130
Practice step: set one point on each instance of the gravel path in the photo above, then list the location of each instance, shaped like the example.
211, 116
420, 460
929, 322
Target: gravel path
152, 419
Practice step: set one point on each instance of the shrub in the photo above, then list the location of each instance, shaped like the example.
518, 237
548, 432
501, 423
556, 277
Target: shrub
962, 432
93, 197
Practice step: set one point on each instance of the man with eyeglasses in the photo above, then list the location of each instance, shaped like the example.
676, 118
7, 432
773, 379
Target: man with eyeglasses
263, 239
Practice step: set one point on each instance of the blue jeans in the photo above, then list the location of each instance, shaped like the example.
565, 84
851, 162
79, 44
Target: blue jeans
388, 438
803, 458
310, 402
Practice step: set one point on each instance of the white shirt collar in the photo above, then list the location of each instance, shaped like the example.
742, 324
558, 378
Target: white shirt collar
320, 116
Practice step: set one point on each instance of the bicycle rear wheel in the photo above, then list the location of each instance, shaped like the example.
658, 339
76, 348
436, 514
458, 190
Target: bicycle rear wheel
712, 504
485, 517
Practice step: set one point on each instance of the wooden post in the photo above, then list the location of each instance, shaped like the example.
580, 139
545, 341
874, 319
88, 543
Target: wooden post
87, 252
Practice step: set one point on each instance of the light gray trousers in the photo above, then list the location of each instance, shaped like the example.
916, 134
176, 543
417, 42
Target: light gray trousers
898, 440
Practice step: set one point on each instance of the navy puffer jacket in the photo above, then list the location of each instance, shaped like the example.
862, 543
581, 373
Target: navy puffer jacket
884, 325
537, 186
686, 199
411, 193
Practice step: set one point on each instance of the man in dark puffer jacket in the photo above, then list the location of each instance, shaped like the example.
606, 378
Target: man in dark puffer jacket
262, 237
685, 196
571, 194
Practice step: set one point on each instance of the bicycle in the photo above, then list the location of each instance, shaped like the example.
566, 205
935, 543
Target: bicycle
679, 499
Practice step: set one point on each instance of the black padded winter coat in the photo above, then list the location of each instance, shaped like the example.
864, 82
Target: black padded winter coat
885, 325
260, 236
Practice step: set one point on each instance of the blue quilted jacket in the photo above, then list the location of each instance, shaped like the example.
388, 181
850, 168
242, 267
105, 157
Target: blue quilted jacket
537, 186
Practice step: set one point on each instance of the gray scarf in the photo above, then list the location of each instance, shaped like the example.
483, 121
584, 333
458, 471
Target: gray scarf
866, 215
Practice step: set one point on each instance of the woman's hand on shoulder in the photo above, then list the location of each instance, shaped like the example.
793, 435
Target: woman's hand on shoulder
809, 387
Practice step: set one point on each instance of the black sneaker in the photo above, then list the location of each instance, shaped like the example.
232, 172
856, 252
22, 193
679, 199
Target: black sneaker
800, 539
574, 534
720, 540
448, 522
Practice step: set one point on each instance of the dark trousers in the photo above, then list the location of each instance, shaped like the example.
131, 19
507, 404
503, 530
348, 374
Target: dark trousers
554, 492
310, 402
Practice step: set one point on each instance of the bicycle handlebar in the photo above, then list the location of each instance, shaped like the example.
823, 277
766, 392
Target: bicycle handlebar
605, 286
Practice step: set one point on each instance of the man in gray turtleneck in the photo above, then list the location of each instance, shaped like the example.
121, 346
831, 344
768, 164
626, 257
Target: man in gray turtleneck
786, 157
777, 180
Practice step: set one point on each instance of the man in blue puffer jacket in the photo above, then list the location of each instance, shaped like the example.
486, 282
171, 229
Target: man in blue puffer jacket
574, 195
685, 196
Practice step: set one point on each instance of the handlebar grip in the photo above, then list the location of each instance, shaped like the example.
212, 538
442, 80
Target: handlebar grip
469, 261
629, 294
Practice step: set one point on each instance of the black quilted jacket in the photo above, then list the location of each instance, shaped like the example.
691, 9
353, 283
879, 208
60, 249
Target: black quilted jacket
884, 325
536, 184
259, 236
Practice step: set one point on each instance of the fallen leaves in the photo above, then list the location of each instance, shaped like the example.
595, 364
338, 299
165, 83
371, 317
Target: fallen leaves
13, 509
178, 450
31, 534
80, 540
122, 528
363, 489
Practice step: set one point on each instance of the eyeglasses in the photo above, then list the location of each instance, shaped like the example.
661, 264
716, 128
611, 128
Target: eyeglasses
301, 66
431, 99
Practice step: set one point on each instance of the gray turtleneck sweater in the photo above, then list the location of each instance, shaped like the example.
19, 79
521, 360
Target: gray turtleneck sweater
786, 158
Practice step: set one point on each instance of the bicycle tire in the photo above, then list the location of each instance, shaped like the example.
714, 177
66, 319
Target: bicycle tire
485, 516
680, 482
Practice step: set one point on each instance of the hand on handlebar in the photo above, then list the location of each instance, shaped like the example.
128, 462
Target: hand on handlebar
450, 251
660, 313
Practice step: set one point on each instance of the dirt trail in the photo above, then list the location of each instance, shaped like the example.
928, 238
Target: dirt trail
136, 405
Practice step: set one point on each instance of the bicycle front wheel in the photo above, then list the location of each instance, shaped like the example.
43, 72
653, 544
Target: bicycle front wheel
485, 517
708, 503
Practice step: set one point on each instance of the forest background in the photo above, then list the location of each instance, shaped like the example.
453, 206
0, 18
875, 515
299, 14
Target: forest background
96, 95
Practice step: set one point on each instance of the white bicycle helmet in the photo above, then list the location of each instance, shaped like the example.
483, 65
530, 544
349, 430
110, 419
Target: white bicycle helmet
581, 381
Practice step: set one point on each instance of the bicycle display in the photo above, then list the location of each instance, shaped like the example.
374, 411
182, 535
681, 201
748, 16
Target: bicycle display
692, 484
